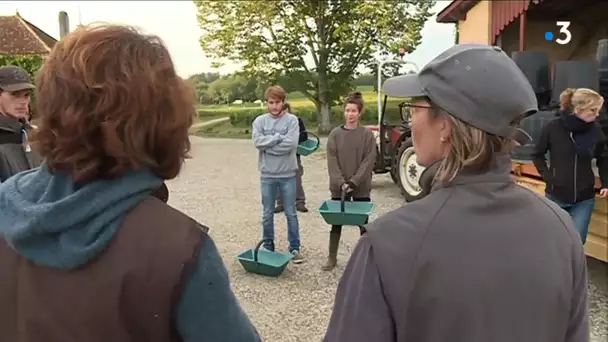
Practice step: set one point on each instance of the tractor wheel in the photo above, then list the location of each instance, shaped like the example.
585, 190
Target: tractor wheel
394, 175
394, 162
393, 172
408, 172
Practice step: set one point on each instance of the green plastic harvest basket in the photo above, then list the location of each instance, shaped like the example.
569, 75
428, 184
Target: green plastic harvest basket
346, 213
309, 146
264, 262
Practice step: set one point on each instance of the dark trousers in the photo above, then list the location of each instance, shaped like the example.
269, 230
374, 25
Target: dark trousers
335, 229
300, 196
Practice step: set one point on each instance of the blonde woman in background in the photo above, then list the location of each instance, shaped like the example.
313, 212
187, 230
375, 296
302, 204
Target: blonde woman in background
480, 258
573, 140
564, 99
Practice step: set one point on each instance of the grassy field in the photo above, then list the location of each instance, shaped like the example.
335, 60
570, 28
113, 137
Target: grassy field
299, 103
296, 99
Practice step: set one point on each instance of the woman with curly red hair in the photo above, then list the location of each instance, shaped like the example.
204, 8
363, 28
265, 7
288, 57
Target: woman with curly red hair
87, 252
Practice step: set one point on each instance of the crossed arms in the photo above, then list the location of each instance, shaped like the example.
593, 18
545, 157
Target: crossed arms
276, 144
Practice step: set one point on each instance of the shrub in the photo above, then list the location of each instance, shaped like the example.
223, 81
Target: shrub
224, 111
245, 117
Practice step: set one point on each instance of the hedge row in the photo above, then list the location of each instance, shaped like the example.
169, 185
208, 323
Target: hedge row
224, 111
245, 117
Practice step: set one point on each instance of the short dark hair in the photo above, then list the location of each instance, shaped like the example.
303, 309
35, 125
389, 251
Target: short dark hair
109, 102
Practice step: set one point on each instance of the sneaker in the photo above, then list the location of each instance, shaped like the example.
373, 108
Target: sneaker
296, 257
278, 209
301, 208
268, 247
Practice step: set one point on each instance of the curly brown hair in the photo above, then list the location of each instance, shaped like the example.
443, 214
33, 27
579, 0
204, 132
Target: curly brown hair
109, 102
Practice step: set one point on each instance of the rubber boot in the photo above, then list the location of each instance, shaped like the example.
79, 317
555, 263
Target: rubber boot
334, 243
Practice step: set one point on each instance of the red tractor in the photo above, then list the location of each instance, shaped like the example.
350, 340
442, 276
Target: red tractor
394, 144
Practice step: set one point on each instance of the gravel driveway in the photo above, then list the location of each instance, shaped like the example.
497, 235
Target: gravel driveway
219, 187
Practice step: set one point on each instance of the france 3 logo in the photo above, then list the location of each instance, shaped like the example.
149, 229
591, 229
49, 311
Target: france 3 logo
564, 35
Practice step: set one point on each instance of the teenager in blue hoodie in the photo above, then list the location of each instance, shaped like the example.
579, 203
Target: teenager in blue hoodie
88, 249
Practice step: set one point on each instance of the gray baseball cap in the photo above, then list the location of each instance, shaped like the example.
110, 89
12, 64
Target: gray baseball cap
13, 78
478, 84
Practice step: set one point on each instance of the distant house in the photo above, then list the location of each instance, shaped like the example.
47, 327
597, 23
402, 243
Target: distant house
19, 37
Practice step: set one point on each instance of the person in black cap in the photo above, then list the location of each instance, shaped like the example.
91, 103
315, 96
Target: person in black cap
16, 154
480, 258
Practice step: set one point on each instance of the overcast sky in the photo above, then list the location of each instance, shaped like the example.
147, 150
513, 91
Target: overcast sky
175, 22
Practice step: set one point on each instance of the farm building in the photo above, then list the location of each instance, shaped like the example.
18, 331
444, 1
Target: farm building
19, 37
522, 24
540, 25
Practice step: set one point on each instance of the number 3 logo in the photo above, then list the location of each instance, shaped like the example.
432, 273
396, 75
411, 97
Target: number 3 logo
564, 31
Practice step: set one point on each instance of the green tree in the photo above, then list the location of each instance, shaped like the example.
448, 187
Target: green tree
205, 77
203, 95
221, 90
248, 88
31, 64
365, 80
212, 88
388, 71
274, 38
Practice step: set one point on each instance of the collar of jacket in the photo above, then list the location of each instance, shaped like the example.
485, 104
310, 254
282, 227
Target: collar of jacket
10, 124
500, 172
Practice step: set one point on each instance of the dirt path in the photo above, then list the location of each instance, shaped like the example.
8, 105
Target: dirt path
203, 124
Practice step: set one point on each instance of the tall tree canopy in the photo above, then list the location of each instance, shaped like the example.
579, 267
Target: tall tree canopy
274, 38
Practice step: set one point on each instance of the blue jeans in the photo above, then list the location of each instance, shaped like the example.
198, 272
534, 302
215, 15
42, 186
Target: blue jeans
581, 214
286, 187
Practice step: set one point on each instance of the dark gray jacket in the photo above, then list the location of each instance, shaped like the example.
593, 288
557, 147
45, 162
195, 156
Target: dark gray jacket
15, 152
480, 260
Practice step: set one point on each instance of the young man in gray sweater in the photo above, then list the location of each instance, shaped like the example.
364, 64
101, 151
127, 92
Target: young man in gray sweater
275, 135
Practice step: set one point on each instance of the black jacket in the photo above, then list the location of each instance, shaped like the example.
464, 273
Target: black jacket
569, 176
303, 132
15, 152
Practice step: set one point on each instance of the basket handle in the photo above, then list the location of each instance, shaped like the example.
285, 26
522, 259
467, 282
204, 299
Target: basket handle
256, 250
316, 137
363, 230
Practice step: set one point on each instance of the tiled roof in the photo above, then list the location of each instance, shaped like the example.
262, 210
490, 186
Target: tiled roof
456, 10
20, 37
